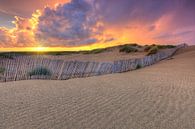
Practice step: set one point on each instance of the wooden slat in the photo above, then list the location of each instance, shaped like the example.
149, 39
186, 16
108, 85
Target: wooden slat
18, 68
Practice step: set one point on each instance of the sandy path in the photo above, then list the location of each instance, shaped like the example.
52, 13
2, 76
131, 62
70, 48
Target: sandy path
158, 97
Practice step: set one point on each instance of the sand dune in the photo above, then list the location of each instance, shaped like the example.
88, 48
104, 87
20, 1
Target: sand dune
158, 97
106, 56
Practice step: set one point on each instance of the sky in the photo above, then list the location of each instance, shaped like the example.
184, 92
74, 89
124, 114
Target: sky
90, 24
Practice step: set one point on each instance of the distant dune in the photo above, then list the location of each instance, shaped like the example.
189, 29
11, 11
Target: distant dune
161, 96
99, 55
104, 56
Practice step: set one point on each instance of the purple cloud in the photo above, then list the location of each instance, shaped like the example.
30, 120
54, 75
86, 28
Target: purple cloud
83, 22
76, 21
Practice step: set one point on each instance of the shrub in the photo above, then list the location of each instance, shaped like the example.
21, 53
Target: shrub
147, 48
153, 50
2, 70
166, 46
138, 66
40, 71
134, 45
128, 49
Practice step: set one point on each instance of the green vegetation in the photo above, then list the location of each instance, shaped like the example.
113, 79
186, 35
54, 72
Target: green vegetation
153, 50
6, 55
165, 46
134, 44
131, 44
40, 71
138, 66
11, 55
147, 47
2, 70
128, 49
95, 51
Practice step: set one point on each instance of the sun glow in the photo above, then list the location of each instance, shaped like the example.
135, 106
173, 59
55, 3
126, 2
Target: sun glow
40, 49
24, 36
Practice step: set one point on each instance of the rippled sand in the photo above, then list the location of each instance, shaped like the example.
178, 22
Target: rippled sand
161, 96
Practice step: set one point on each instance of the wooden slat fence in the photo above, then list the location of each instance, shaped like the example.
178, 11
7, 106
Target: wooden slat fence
19, 68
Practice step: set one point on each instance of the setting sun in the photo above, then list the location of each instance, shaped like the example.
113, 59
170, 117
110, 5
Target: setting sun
39, 49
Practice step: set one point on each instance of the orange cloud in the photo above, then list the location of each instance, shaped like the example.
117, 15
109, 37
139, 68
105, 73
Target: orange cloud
23, 35
87, 24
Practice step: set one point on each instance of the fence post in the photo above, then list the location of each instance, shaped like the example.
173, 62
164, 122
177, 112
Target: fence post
61, 70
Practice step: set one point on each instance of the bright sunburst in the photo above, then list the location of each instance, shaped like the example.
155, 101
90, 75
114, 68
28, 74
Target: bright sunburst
40, 49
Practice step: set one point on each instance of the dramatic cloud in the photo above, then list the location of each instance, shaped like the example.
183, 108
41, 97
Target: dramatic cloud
150, 18
70, 24
124, 11
97, 22
22, 35
22, 8
5, 38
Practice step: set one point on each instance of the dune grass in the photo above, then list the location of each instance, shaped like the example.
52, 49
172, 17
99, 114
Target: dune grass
148, 47
153, 50
95, 51
6, 55
40, 71
166, 46
128, 49
138, 66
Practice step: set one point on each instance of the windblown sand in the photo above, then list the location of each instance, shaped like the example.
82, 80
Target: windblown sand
161, 96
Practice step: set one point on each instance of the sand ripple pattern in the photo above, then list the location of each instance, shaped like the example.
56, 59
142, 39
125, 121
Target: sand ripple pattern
158, 97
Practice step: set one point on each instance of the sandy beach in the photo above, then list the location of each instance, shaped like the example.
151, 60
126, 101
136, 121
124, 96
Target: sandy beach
161, 96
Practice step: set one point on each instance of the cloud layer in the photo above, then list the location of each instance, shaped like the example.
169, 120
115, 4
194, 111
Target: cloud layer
22, 35
69, 24
101, 22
